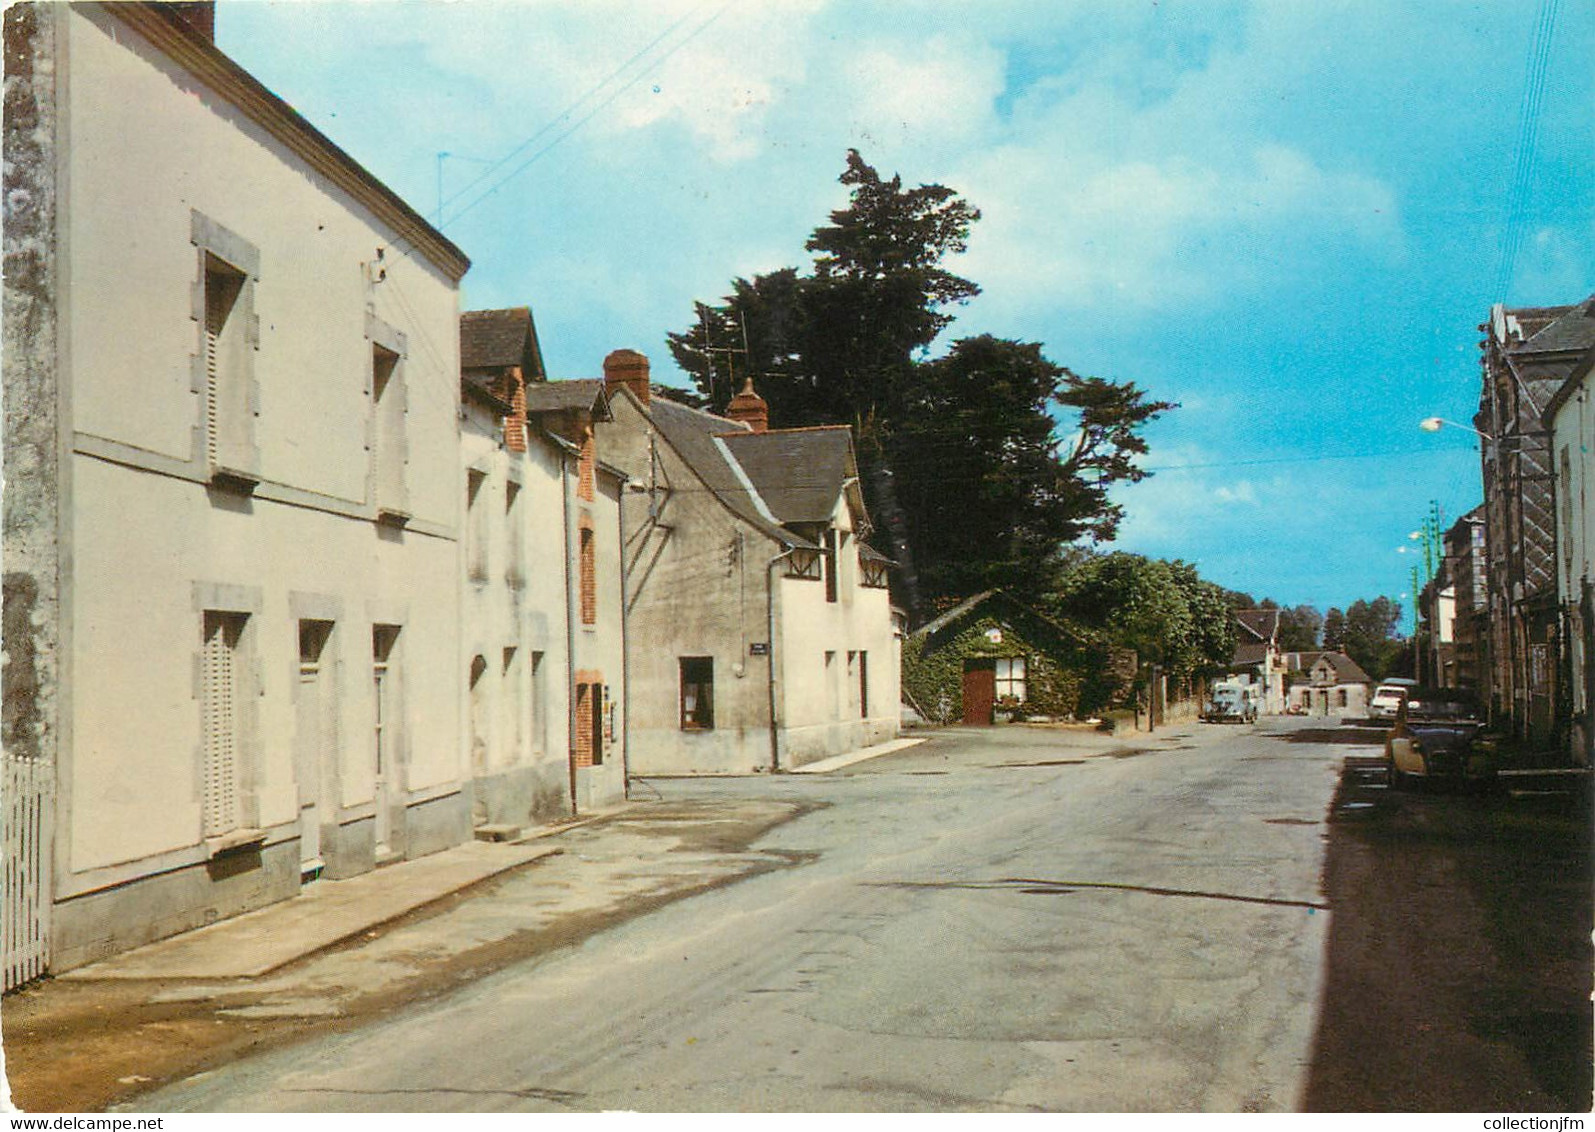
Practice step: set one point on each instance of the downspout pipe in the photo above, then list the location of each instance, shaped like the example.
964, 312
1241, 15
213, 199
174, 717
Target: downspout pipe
769, 612
625, 644
570, 632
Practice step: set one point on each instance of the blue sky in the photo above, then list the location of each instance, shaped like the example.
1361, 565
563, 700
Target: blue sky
1287, 216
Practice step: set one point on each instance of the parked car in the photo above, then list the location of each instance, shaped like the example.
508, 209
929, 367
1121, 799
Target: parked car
1231, 703
1387, 698
1442, 705
1439, 736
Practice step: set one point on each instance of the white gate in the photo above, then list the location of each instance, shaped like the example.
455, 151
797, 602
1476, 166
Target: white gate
26, 793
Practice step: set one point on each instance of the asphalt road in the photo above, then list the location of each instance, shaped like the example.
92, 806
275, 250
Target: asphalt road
1006, 919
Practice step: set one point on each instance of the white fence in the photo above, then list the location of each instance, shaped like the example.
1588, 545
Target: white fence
27, 788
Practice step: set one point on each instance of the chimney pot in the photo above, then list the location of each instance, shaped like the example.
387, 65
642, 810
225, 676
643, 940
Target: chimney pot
749, 408
627, 368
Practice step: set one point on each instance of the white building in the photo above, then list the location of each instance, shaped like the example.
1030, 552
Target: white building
761, 628
232, 615
544, 622
1570, 417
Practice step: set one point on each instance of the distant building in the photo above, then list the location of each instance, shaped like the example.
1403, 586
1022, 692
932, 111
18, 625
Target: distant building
1464, 567
1436, 637
1331, 684
1258, 656
1570, 417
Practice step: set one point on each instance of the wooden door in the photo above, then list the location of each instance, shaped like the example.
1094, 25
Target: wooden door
980, 691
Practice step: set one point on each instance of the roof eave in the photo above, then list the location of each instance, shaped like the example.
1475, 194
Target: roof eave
213, 66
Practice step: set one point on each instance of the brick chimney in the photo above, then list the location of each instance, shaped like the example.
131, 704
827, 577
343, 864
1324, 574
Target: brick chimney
628, 368
199, 18
749, 408
515, 423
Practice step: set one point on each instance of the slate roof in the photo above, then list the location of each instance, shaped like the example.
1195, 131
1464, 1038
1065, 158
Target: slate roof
1262, 624
1573, 329
799, 473
1249, 654
691, 432
1532, 320
490, 339
561, 396
481, 389
1346, 670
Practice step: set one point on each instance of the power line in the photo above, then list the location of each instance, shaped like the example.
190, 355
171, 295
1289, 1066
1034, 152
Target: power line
492, 189
580, 122
562, 115
1535, 69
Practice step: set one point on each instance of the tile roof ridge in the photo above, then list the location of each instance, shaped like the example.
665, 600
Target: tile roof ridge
736, 426
806, 428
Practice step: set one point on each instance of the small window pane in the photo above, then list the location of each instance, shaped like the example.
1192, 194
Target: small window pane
697, 693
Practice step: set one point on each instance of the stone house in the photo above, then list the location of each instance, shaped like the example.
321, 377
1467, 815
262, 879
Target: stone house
1570, 419
1330, 683
1528, 355
760, 624
992, 656
231, 450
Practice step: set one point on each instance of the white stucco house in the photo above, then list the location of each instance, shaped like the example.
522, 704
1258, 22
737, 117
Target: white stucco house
544, 623
231, 513
1570, 419
760, 627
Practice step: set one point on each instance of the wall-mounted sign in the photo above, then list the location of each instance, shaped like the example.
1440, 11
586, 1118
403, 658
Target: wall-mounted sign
759, 648
994, 636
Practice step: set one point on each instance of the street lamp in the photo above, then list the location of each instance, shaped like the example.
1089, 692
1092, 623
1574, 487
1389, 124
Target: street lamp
1435, 424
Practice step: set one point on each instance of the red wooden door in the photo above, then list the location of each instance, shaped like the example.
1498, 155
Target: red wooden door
980, 691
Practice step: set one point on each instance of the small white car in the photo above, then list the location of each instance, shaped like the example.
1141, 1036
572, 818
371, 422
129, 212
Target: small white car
1387, 699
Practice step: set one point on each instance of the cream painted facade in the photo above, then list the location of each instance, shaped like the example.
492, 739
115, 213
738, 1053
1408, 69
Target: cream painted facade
840, 661
257, 677
1571, 420
515, 658
702, 578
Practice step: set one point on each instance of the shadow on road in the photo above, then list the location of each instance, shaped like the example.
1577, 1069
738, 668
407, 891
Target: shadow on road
1458, 966
1346, 733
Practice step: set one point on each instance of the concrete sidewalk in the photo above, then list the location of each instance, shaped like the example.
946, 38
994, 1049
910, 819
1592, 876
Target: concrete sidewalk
837, 762
352, 950
327, 913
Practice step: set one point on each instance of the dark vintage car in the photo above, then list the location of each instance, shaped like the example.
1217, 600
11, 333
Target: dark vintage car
1439, 736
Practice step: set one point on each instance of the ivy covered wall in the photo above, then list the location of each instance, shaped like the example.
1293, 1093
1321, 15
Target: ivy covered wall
1063, 677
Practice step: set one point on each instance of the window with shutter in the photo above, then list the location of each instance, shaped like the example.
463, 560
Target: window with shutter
222, 802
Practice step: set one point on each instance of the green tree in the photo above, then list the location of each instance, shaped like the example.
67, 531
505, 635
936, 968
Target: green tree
1334, 630
838, 346
1212, 622
961, 459
1134, 601
989, 491
1369, 635
1163, 610
1299, 628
